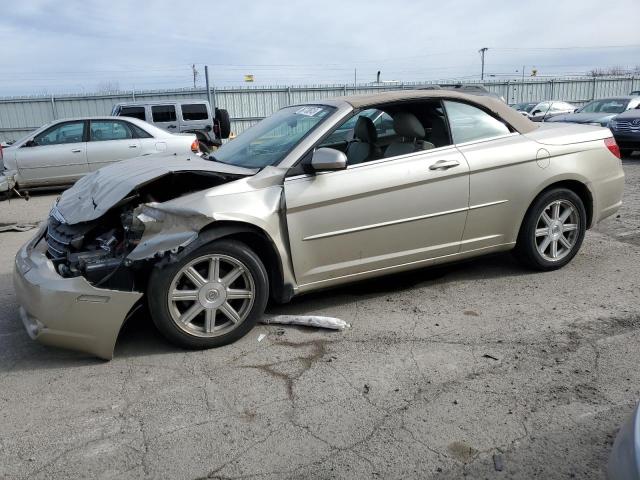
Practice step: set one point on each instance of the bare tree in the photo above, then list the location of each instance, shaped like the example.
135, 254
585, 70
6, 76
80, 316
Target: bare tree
608, 72
108, 86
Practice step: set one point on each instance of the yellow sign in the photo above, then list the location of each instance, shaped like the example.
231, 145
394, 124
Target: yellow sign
248, 78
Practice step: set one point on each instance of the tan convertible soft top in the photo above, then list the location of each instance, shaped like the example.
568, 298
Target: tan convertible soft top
498, 107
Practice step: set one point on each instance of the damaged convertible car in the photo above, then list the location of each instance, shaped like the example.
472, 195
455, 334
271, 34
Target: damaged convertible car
314, 196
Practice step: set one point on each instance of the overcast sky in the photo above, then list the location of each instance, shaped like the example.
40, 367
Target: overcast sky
75, 46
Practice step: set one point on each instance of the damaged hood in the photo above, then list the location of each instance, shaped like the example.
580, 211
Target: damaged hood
93, 195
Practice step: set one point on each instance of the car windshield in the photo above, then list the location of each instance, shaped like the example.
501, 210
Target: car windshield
270, 140
611, 105
524, 107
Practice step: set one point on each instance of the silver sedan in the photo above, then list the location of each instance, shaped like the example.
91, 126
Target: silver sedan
61, 152
315, 196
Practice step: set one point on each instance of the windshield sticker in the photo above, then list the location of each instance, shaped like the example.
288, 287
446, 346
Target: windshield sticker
308, 111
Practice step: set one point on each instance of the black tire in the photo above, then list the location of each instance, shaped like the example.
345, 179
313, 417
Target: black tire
224, 122
527, 250
626, 152
161, 281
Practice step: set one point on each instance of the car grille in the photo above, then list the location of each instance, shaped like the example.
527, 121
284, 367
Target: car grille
627, 126
63, 239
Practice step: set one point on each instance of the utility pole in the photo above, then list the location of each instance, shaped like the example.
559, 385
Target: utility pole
206, 80
355, 77
482, 51
195, 74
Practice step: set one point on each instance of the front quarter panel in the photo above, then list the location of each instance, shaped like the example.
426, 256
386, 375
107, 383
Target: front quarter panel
253, 201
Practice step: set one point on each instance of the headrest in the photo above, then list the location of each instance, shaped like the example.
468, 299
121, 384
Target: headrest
407, 125
365, 130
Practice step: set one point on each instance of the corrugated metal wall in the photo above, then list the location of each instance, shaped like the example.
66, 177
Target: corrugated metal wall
21, 115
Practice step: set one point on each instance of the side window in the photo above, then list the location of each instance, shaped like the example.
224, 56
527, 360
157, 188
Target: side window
541, 108
103, 130
344, 133
164, 113
138, 132
384, 124
194, 111
71, 132
469, 123
135, 112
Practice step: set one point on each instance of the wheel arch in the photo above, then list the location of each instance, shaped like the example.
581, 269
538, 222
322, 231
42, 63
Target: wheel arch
262, 245
579, 188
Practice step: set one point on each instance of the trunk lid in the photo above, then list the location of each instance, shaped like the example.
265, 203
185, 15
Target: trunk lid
567, 133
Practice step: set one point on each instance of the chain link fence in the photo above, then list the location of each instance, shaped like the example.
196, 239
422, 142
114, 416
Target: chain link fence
248, 105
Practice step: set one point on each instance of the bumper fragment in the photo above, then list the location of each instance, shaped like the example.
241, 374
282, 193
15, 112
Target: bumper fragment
7, 182
67, 312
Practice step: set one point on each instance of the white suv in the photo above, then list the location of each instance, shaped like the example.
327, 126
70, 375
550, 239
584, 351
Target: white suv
186, 116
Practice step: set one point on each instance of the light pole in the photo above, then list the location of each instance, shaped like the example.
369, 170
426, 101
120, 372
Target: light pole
482, 51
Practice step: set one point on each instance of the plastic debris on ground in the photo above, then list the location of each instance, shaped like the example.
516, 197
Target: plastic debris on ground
307, 321
261, 337
497, 462
17, 227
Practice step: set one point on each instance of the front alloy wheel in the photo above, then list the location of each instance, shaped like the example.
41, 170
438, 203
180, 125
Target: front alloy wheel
210, 296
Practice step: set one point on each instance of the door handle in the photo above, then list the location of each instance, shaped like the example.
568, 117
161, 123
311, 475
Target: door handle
133, 146
444, 164
171, 126
76, 150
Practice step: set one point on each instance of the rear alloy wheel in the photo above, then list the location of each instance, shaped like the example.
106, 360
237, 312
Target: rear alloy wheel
210, 297
552, 231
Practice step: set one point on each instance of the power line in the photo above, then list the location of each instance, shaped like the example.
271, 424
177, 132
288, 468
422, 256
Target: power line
593, 47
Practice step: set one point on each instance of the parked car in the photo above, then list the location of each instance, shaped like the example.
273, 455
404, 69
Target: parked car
524, 107
624, 460
543, 111
187, 116
599, 112
61, 152
287, 208
635, 93
626, 129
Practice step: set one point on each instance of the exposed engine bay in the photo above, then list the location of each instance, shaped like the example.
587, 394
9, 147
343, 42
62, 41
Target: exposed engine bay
98, 249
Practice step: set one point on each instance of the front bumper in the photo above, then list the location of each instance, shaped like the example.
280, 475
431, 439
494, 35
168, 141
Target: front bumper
7, 181
67, 312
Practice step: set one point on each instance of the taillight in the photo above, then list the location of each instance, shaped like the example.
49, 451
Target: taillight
613, 147
195, 146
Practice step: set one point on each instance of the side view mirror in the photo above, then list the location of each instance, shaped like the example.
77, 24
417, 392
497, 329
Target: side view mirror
327, 159
536, 112
31, 143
